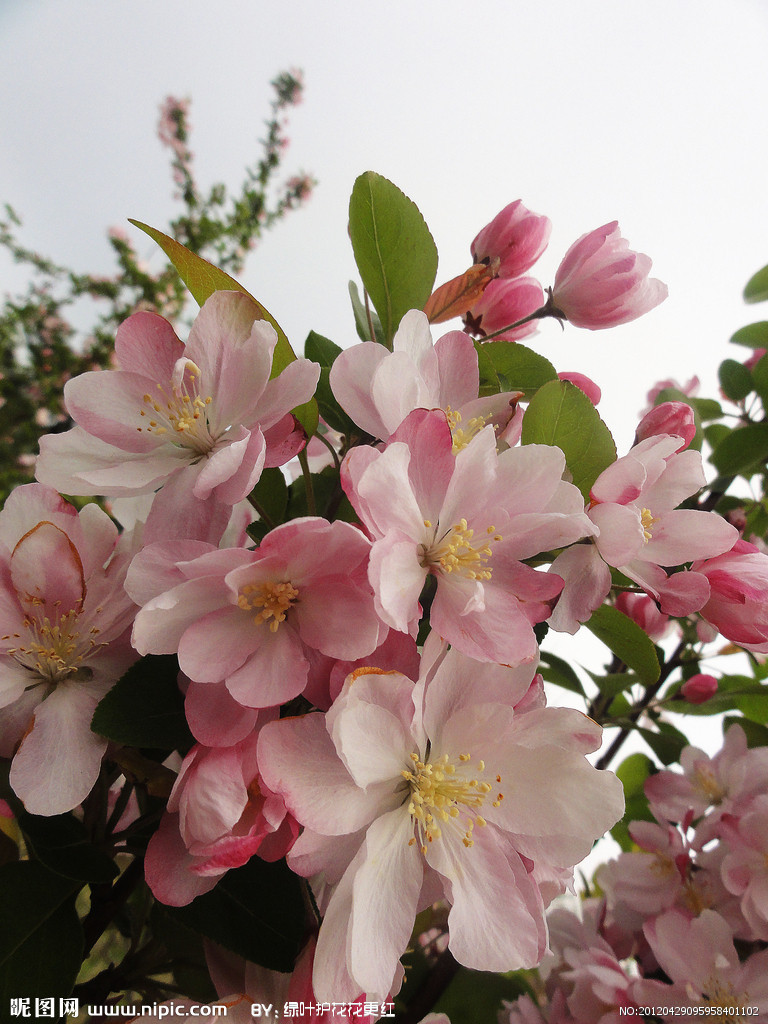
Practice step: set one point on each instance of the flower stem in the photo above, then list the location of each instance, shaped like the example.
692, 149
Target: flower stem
311, 508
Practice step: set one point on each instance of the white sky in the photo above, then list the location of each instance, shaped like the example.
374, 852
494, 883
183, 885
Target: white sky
650, 112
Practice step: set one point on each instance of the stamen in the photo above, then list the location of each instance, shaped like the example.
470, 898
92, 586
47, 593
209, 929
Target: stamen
463, 435
646, 521
457, 551
273, 601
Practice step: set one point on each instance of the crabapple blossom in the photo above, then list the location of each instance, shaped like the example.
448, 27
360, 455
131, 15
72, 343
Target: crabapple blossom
468, 520
504, 302
641, 530
699, 688
249, 618
668, 418
516, 236
200, 420
405, 795
744, 868
644, 611
602, 283
66, 629
219, 815
738, 595
378, 389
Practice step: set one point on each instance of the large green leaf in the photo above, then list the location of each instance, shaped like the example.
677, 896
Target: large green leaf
41, 941
556, 670
560, 414
742, 450
203, 279
735, 379
256, 911
753, 335
394, 250
756, 288
517, 367
145, 707
627, 641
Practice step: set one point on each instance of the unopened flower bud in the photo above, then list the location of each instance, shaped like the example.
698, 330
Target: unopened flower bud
516, 236
699, 688
668, 418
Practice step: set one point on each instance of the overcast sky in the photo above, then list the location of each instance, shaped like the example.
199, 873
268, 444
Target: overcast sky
652, 113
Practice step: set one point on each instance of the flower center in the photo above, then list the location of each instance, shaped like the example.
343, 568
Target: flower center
271, 601
445, 792
180, 411
720, 993
53, 650
647, 520
457, 551
462, 435
705, 782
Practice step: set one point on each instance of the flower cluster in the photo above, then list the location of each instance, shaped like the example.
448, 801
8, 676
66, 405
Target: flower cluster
683, 921
349, 648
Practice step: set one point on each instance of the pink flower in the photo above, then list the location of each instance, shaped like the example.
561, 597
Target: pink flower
640, 531
601, 282
200, 419
668, 418
644, 611
468, 520
378, 389
250, 618
738, 595
406, 795
745, 867
219, 815
516, 236
66, 626
585, 384
699, 688
504, 302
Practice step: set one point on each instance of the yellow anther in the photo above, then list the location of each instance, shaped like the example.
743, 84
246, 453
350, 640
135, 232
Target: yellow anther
271, 601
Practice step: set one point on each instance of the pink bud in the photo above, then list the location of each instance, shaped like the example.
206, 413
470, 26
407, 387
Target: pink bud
502, 303
644, 611
668, 418
699, 688
585, 384
601, 282
516, 236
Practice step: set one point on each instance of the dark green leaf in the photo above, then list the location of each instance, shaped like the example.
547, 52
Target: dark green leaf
256, 911
743, 450
735, 379
560, 414
474, 996
753, 335
611, 684
203, 279
145, 708
707, 408
271, 492
394, 251
323, 351
362, 326
489, 379
632, 772
756, 289
627, 641
667, 744
521, 368
760, 379
61, 843
555, 670
41, 940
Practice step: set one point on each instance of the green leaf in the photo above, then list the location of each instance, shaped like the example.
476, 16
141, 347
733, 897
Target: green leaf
735, 379
560, 414
753, 335
627, 641
633, 771
756, 289
742, 451
489, 379
611, 684
517, 367
394, 251
739, 693
323, 351
667, 744
41, 941
203, 279
707, 408
361, 318
62, 844
256, 911
474, 996
760, 379
145, 707
556, 670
